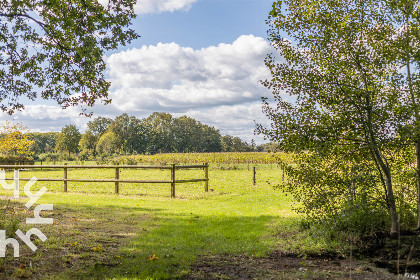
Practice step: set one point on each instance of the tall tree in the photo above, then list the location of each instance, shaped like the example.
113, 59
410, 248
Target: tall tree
68, 139
227, 143
99, 126
212, 140
14, 139
159, 129
343, 105
108, 144
403, 41
130, 134
54, 49
87, 143
186, 134
43, 142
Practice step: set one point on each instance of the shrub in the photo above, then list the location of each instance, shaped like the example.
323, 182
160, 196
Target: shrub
8, 220
337, 194
11, 160
49, 157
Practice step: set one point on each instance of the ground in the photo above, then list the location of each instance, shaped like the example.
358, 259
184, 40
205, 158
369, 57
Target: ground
280, 265
236, 231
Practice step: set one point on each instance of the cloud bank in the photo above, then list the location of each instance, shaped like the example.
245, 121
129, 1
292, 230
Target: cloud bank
217, 85
171, 77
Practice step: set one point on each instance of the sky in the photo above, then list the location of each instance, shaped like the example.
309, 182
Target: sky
199, 58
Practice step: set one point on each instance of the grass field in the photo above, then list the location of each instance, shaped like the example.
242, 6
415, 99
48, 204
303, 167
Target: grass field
144, 234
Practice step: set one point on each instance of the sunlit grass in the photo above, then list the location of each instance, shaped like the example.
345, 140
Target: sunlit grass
162, 236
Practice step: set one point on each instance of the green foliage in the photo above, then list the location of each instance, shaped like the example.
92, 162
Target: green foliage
234, 144
159, 133
87, 144
129, 134
54, 49
11, 160
349, 110
49, 157
85, 156
339, 196
99, 126
68, 140
43, 142
158, 126
108, 144
8, 220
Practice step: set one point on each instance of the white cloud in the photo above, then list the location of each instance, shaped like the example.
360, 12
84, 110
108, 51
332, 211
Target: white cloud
168, 77
218, 86
236, 120
158, 6
43, 118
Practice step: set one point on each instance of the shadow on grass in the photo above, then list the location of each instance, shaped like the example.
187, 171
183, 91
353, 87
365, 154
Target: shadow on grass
167, 252
100, 237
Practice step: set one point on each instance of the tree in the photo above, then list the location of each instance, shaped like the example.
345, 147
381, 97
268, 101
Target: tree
99, 126
14, 140
54, 49
212, 142
234, 144
108, 144
344, 120
43, 142
227, 143
239, 145
87, 143
159, 129
253, 145
403, 41
186, 134
130, 134
68, 139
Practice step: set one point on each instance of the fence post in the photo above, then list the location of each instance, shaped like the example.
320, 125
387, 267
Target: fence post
117, 177
16, 181
282, 174
254, 180
206, 176
173, 181
65, 178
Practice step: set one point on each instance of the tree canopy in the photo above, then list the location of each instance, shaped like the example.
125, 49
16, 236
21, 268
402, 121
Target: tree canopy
14, 140
345, 103
54, 49
69, 138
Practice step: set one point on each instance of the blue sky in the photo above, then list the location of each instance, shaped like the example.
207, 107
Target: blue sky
206, 23
200, 58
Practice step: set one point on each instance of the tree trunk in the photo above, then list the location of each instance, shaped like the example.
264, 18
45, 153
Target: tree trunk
418, 183
392, 206
390, 191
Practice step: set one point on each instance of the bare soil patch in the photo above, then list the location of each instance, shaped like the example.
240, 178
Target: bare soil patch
284, 266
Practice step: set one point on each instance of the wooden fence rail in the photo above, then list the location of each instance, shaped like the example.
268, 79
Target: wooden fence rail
117, 179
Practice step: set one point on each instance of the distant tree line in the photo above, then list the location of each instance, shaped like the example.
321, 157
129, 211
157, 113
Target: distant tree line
127, 135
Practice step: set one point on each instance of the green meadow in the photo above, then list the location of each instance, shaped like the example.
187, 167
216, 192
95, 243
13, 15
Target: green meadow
142, 233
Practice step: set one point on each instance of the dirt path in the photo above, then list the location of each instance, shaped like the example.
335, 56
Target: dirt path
284, 266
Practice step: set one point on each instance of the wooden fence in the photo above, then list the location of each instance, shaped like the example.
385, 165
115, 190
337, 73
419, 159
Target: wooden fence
117, 179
